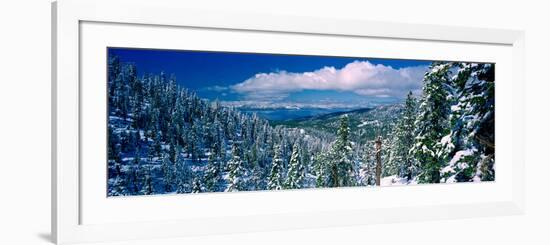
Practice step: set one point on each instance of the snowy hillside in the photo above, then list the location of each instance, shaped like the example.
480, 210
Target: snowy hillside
163, 138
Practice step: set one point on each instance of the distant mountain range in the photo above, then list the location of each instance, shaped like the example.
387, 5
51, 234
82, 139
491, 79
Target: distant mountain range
292, 105
380, 121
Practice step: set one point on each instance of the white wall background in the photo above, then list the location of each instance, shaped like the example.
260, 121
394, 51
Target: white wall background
25, 122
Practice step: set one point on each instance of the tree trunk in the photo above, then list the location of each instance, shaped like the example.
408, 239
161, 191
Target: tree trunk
335, 180
378, 148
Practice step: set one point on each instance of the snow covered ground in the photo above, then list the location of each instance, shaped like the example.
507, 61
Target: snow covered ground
394, 180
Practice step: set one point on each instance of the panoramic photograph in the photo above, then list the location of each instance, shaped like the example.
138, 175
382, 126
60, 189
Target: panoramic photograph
186, 121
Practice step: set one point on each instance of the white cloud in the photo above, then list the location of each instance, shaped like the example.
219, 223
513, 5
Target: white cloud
360, 77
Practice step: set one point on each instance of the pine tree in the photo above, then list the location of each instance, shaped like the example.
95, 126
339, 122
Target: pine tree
470, 144
391, 165
156, 148
431, 122
236, 170
403, 140
113, 149
320, 169
183, 175
198, 138
173, 151
196, 186
168, 173
256, 179
119, 187
132, 175
275, 177
368, 169
212, 175
341, 164
148, 185
296, 173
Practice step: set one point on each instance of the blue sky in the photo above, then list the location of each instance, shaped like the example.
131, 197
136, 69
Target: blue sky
272, 79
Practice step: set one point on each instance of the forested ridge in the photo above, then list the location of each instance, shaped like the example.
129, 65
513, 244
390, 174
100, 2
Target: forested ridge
163, 138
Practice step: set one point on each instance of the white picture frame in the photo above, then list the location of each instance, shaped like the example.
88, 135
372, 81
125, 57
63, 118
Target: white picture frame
68, 18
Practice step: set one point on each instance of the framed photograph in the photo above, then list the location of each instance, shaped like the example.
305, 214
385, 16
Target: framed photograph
175, 122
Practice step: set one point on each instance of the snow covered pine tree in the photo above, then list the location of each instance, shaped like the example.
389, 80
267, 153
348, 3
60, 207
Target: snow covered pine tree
295, 174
